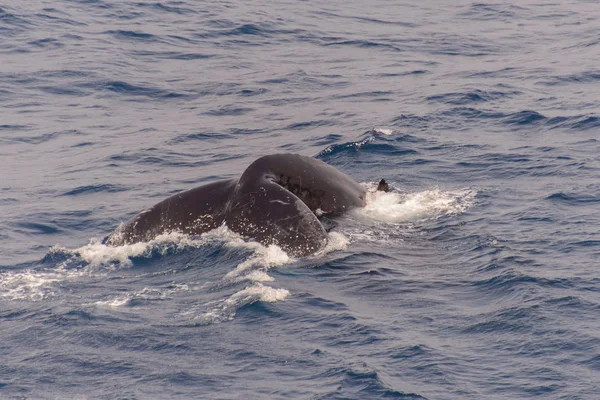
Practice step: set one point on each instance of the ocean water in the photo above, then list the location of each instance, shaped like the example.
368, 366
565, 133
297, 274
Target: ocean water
477, 277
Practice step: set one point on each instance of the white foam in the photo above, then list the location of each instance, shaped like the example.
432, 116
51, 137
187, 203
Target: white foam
335, 241
27, 285
225, 310
384, 131
398, 207
115, 302
258, 292
259, 276
97, 253
264, 258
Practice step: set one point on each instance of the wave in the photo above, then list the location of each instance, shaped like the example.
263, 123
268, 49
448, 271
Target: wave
90, 189
142, 296
474, 96
572, 199
377, 140
131, 35
524, 119
135, 90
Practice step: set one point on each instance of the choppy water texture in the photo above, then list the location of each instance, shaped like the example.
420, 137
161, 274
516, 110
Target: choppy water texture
477, 278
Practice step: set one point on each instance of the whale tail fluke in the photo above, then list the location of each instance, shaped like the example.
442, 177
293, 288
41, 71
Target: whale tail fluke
270, 214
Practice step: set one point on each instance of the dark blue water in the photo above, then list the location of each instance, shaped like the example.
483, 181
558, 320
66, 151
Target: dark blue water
478, 278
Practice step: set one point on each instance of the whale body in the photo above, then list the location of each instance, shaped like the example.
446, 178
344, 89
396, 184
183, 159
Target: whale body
277, 200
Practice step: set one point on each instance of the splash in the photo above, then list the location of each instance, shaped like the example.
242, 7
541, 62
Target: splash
335, 241
397, 207
264, 258
98, 254
97, 259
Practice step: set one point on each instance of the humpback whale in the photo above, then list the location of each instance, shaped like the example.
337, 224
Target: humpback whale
277, 200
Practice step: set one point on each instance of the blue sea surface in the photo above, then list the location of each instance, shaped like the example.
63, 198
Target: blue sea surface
477, 277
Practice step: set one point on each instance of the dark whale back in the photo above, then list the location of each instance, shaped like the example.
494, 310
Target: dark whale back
320, 186
274, 202
277, 197
194, 211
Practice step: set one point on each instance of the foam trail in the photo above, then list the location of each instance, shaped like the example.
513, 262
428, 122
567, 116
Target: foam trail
97, 259
254, 269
